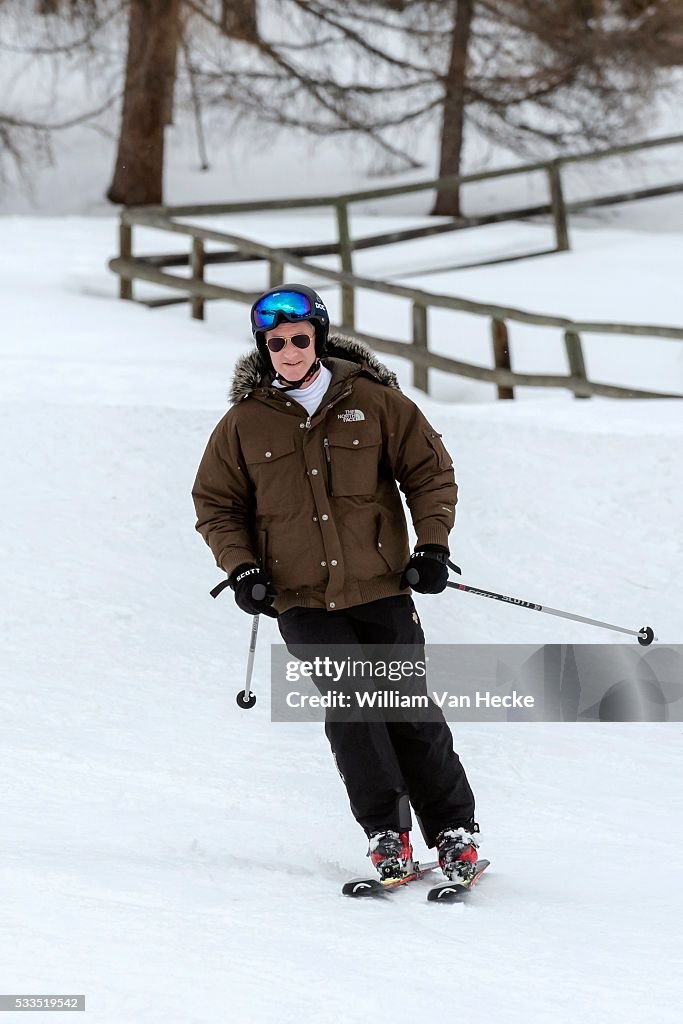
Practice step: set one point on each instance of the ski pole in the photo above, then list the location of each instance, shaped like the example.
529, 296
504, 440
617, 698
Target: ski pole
645, 634
246, 698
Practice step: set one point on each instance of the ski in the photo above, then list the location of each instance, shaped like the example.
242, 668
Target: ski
375, 887
454, 892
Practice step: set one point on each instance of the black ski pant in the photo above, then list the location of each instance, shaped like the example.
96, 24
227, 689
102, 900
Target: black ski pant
383, 764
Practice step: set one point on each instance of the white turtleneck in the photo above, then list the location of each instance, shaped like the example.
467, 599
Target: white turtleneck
310, 397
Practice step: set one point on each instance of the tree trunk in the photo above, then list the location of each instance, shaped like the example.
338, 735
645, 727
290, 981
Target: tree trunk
172, 70
153, 36
447, 204
239, 20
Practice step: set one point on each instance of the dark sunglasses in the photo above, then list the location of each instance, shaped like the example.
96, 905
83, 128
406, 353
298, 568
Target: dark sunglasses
299, 340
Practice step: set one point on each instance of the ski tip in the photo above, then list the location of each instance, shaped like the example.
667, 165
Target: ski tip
362, 887
453, 892
446, 893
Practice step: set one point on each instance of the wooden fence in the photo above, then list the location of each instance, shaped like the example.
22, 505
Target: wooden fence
198, 290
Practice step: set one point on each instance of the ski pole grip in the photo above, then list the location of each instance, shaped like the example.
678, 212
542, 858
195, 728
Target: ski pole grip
258, 592
412, 577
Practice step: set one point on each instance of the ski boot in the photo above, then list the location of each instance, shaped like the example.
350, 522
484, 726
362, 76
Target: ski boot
391, 853
457, 850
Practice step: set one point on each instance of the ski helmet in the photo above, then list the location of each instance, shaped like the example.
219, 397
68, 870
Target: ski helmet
290, 302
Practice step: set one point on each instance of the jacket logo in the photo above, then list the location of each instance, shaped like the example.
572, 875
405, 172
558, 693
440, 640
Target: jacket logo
351, 416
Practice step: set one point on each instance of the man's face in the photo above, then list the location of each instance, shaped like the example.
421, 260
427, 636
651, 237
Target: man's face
292, 362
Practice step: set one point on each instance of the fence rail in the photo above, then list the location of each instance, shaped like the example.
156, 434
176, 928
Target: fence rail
198, 291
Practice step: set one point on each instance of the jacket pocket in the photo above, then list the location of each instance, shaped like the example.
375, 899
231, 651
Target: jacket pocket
353, 461
292, 559
273, 468
392, 543
439, 448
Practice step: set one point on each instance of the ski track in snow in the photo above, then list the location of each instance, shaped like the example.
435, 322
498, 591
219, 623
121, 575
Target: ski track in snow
179, 860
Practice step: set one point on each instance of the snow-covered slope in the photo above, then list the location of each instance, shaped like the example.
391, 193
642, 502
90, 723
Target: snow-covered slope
179, 860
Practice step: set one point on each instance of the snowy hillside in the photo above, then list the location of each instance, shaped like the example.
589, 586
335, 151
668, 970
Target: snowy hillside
179, 860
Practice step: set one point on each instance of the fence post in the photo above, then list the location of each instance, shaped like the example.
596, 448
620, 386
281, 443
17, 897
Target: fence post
346, 254
197, 264
501, 354
276, 273
126, 252
420, 372
558, 205
577, 366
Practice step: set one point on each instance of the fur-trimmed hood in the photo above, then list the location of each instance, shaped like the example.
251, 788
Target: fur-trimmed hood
249, 373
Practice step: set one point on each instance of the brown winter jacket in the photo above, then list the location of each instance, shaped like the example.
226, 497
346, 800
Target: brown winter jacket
314, 499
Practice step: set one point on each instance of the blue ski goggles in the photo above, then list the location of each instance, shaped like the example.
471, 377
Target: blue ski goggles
293, 305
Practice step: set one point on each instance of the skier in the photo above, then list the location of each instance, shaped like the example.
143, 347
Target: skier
297, 490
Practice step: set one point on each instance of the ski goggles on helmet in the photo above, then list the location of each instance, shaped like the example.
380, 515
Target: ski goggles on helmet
293, 305
299, 341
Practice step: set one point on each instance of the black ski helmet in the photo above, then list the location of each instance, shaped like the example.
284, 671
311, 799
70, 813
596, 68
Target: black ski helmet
293, 303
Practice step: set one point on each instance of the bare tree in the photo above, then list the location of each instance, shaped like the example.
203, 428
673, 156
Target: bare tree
454, 105
289, 75
67, 35
20, 139
664, 19
153, 39
157, 31
239, 20
74, 9
530, 74
53, 37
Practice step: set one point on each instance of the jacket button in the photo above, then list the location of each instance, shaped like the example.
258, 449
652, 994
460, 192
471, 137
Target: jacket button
332, 604
324, 517
314, 472
315, 519
302, 424
380, 544
356, 441
333, 562
288, 403
268, 454
323, 563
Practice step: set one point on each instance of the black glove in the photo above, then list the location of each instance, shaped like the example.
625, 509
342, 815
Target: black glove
243, 579
430, 563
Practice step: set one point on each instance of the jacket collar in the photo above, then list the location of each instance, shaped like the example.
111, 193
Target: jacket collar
345, 357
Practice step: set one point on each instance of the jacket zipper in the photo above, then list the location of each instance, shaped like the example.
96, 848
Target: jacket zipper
328, 458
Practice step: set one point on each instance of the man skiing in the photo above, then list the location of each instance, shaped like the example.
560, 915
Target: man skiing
297, 490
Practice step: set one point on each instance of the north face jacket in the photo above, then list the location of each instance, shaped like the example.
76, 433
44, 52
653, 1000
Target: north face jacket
314, 499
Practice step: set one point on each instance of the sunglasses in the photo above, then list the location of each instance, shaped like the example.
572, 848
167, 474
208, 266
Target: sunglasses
294, 305
299, 340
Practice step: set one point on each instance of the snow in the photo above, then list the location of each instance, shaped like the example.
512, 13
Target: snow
180, 860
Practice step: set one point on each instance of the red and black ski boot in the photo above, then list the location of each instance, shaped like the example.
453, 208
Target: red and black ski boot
457, 849
391, 853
